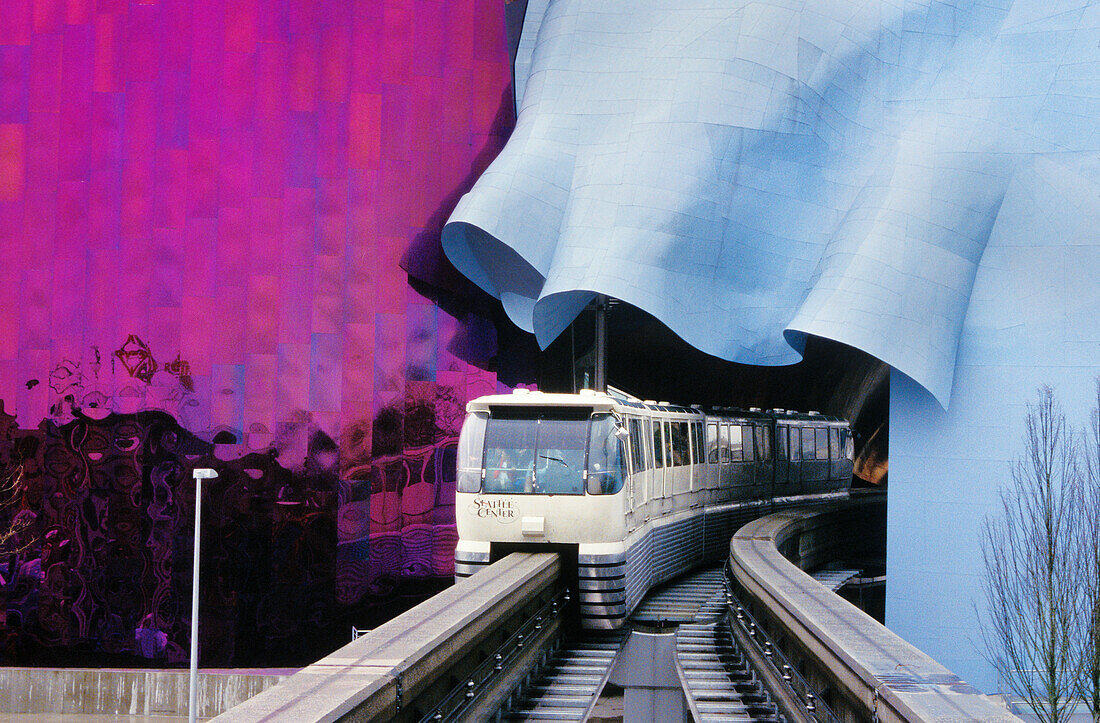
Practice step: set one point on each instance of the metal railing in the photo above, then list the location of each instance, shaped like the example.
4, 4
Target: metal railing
812, 708
460, 703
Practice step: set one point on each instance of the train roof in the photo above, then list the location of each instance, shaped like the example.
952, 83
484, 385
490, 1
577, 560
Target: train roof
586, 398
605, 402
783, 415
528, 397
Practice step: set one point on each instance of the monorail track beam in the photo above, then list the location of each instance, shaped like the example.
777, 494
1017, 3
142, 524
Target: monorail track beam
403, 669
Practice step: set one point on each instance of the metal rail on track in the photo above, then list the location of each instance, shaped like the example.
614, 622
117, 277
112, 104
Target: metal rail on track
720, 682
869, 672
481, 693
681, 600
567, 683
798, 700
407, 667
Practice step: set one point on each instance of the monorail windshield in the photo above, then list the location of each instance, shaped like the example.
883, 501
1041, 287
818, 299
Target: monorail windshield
520, 452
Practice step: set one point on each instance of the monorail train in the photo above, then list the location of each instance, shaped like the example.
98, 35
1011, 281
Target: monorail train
635, 492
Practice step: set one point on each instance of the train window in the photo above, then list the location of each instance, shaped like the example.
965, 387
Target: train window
658, 445
712, 443
471, 448
781, 443
697, 443
834, 443
725, 444
606, 467
796, 445
643, 424
509, 453
822, 437
807, 443
559, 457
763, 443
637, 447
535, 456
735, 443
746, 435
678, 444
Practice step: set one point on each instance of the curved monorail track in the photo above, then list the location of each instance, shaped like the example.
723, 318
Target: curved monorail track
762, 641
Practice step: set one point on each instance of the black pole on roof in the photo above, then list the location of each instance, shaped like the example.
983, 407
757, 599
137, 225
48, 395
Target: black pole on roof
601, 343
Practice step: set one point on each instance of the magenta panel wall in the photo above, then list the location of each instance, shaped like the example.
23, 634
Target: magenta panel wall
207, 209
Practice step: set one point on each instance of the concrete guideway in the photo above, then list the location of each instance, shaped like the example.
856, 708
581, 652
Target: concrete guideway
491, 647
411, 657
875, 674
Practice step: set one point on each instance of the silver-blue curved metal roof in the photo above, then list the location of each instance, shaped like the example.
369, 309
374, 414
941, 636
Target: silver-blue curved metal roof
753, 172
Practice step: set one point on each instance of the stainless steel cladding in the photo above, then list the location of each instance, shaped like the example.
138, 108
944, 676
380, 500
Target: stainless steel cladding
638, 491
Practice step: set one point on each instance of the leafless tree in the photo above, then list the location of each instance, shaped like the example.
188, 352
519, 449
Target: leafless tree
1032, 584
1090, 561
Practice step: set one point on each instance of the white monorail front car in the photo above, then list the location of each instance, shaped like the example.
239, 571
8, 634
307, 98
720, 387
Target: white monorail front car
634, 492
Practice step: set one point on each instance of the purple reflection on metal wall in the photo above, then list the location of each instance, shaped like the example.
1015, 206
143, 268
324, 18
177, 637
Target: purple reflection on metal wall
209, 211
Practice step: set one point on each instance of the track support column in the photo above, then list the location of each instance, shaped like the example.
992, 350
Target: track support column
646, 671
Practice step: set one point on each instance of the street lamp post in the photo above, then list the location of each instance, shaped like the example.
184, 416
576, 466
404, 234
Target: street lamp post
200, 474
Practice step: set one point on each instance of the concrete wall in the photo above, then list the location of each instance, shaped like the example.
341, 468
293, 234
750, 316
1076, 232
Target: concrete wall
128, 692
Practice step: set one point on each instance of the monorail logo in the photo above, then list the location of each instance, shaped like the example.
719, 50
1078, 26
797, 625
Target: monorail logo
503, 510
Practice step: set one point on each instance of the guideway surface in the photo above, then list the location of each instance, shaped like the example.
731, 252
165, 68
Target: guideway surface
568, 685
686, 630
876, 674
385, 674
682, 662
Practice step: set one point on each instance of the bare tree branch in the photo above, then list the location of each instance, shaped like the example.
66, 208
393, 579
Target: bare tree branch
1090, 561
1032, 586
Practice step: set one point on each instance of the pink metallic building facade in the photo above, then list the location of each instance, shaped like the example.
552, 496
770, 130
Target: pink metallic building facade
219, 222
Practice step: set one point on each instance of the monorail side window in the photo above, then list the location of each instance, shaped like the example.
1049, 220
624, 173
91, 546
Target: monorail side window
712, 443
679, 443
658, 445
735, 442
606, 468
647, 442
796, 445
763, 448
637, 447
834, 443
822, 436
471, 445
807, 443
697, 455
747, 435
780, 442
725, 444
